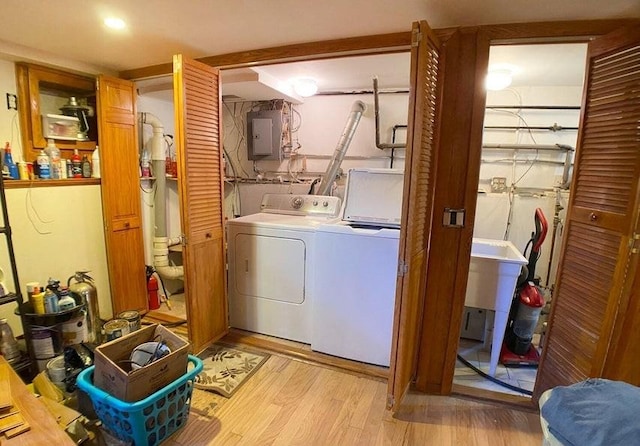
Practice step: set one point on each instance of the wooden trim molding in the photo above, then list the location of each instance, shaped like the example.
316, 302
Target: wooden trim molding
382, 43
23, 184
549, 32
510, 33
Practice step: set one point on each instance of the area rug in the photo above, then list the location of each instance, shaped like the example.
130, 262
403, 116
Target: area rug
226, 368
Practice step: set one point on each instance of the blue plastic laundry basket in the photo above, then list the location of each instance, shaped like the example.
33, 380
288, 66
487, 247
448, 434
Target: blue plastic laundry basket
148, 421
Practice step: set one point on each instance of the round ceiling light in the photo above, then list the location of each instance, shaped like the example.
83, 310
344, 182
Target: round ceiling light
498, 79
305, 87
114, 23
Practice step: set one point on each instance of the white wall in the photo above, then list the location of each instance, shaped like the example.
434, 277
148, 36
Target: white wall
9, 120
323, 120
535, 180
56, 231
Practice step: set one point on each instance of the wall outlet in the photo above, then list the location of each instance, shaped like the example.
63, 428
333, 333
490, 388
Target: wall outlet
12, 101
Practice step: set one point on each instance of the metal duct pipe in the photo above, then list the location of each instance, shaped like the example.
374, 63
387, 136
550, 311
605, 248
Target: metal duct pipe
357, 109
376, 107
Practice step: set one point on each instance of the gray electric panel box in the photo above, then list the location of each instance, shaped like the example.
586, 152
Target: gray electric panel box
264, 134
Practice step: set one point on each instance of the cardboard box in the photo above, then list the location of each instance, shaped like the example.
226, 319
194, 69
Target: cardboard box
113, 372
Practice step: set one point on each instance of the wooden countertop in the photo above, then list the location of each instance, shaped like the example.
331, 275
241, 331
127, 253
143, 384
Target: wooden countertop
44, 429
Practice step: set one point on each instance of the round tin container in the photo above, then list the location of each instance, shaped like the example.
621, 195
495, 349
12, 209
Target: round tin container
133, 318
116, 328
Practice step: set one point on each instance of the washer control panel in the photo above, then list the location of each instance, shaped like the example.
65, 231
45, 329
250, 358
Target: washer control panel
311, 205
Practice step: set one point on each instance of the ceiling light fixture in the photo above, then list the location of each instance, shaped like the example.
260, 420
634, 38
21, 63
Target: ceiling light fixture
305, 87
114, 23
498, 79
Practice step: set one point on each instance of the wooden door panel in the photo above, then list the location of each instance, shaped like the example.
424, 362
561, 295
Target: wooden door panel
121, 194
119, 171
596, 264
417, 209
199, 155
205, 312
128, 292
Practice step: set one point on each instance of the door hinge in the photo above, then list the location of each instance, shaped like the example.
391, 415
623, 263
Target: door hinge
635, 249
403, 268
416, 37
183, 239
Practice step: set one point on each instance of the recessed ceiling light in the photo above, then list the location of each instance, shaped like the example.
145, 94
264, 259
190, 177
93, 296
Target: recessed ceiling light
305, 87
114, 23
498, 80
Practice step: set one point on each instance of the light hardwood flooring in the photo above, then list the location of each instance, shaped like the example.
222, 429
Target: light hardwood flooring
292, 402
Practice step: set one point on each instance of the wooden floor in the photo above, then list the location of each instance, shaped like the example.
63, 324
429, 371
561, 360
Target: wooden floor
292, 402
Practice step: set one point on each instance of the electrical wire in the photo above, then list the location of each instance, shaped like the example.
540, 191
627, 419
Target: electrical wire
493, 379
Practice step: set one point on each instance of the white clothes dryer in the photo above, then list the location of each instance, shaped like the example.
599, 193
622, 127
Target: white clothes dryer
271, 264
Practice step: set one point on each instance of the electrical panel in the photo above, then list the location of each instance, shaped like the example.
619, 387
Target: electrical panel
264, 135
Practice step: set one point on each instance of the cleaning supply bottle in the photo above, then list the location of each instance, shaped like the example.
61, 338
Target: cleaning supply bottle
95, 163
9, 166
86, 167
55, 165
44, 171
76, 163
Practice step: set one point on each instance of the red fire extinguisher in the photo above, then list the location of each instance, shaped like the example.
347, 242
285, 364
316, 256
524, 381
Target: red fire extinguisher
152, 290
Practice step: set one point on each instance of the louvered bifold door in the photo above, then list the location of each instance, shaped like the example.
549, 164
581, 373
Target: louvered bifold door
598, 241
417, 209
199, 156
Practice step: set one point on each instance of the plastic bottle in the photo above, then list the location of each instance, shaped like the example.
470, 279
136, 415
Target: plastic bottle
44, 169
145, 165
8, 344
86, 167
76, 164
9, 166
54, 160
63, 168
95, 163
66, 302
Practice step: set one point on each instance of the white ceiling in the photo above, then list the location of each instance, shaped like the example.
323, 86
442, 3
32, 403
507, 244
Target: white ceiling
70, 32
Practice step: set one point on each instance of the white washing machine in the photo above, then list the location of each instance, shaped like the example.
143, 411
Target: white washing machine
271, 269
356, 265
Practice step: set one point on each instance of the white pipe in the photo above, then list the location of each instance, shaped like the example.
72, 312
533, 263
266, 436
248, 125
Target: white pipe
160, 242
357, 109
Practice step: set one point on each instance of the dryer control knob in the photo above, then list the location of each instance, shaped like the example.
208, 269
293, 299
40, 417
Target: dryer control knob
297, 202
325, 203
315, 202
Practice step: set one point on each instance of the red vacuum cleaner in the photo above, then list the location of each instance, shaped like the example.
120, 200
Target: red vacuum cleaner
517, 349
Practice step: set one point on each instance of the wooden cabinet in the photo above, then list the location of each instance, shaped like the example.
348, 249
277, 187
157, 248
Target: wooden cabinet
42, 91
121, 194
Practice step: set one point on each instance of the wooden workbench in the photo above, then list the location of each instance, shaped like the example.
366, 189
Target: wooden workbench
44, 429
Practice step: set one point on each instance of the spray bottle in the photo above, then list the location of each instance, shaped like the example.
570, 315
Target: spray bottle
9, 169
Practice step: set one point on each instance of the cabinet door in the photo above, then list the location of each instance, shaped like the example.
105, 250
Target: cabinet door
417, 209
197, 101
598, 264
121, 194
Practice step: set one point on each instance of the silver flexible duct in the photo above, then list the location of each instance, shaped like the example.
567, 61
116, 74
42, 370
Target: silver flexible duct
357, 109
